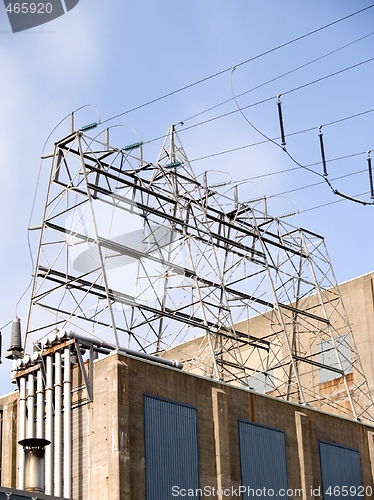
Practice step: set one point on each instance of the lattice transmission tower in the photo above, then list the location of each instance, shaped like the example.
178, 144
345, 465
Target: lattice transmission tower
144, 256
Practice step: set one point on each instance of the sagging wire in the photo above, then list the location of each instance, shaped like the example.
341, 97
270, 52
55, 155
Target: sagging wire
370, 176
277, 78
325, 174
330, 203
4, 326
286, 170
125, 148
283, 147
267, 99
226, 70
263, 142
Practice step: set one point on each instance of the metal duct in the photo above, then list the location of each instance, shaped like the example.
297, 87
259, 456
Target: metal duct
58, 424
22, 431
67, 424
39, 404
49, 425
30, 406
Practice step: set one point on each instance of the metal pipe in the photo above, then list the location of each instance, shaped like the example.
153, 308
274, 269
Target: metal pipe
67, 423
22, 431
169, 362
49, 425
86, 341
31, 406
58, 424
39, 404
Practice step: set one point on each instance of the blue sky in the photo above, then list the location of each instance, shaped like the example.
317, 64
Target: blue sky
117, 55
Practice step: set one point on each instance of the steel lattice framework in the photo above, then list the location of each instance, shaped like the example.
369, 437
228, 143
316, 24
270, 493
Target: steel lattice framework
145, 256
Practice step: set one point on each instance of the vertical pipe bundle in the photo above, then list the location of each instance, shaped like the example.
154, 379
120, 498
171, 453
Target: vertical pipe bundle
49, 386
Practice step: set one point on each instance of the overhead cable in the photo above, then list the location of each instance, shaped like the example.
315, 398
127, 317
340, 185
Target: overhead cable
277, 172
267, 99
324, 176
276, 78
214, 75
329, 203
308, 186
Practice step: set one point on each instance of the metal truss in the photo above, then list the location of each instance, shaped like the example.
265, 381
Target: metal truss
145, 256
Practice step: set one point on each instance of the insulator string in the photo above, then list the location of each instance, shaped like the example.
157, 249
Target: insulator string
370, 176
320, 135
283, 137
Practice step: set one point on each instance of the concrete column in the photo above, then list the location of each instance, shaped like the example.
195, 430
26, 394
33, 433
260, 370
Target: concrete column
113, 462
371, 451
124, 432
9, 445
305, 454
221, 438
109, 441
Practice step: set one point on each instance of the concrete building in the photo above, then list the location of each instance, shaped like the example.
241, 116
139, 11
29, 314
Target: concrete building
140, 429
153, 431
357, 300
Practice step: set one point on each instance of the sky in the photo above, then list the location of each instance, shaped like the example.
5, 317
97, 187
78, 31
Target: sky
118, 55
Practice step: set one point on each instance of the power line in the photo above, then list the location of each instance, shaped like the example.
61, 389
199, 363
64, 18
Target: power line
268, 138
258, 143
214, 75
267, 99
330, 203
328, 76
301, 188
308, 186
277, 77
286, 170
324, 176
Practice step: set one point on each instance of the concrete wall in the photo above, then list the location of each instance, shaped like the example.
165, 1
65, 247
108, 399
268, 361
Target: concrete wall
9, 447
117, 440
357, 302
358, 298
108, 433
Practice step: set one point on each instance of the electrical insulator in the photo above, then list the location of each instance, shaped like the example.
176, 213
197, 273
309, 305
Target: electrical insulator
320, 135
279, 104
370, 176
